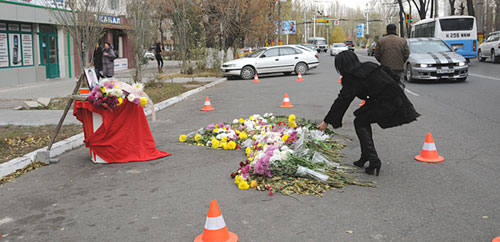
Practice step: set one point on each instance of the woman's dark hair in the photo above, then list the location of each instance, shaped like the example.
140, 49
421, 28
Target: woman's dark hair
346, 62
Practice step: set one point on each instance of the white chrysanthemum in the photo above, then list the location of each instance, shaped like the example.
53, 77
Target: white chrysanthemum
138, 86
131, 97
235, 121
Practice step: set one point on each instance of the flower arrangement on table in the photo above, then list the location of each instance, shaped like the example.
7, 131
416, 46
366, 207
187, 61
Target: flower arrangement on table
110, 94
283, 154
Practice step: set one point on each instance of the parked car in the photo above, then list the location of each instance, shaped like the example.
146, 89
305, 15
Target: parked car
319, 43
149, 55
490, 48
349, 44
285, 59
371, 49
336, 48
433, 59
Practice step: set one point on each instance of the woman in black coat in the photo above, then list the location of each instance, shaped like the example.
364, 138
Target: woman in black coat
97, 58
386, 103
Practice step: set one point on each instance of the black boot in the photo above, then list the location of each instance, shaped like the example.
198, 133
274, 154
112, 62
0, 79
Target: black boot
368, 152
361, 162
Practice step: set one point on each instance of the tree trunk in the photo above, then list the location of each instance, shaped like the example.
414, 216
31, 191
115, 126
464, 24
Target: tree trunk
401, 18
452, 7
432, 9
462, 8
497, 17
470, 8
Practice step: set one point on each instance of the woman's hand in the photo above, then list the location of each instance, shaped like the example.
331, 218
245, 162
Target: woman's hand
105, 54
322, 126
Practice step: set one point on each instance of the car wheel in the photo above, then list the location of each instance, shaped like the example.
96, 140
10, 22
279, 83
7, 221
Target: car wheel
408, 74
480, 58
301, 68
494, 59
247, 73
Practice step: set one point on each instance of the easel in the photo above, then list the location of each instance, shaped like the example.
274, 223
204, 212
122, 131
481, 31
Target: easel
44, 156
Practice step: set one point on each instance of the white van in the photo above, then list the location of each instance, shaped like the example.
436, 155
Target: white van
320, 43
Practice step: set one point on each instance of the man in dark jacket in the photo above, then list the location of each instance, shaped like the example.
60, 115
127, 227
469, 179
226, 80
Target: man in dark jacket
392, 51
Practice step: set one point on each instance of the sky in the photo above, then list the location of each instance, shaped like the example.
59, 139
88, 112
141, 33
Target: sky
357, 3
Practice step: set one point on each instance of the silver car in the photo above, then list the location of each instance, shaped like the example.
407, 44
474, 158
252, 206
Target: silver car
433, 59
336, 48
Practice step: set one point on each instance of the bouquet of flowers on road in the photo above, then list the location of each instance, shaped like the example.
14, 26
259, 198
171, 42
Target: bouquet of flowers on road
110, 94
283, 154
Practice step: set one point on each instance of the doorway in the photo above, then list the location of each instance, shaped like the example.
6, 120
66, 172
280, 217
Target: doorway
49, 56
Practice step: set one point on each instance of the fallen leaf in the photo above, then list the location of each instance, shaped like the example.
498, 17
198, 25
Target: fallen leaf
349, 232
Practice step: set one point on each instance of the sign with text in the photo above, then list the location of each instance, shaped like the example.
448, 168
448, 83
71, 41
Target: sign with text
360, 30
27, 44
4, 51
108, 19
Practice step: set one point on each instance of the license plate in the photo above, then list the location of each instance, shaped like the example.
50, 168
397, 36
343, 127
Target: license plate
441, 71
459, 46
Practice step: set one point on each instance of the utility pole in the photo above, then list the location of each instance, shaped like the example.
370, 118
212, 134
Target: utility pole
279, 23
436, 12
314, 26
480, 20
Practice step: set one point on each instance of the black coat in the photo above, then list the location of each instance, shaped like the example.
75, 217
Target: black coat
98, 58
386, 103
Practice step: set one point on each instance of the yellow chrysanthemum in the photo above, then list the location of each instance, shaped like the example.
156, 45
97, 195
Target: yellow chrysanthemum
243, 135
253, 184
251, 117
291, 118
250, 159
144, 101
224, 139
237, 179
248, 151
241, 120
224, 145
237, 131
231, 145
215, 143
292, 124
103, 89
243, 185
215, 130
120, 101
183, 138
197, 137
285, 137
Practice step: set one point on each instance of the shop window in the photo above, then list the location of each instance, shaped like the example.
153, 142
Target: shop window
16, 45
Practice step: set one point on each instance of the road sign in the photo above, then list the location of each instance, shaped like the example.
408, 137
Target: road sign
336, 22
321, 21
360, 30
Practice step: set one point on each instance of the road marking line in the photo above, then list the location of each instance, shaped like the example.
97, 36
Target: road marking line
6, 220
412, 93
487, 77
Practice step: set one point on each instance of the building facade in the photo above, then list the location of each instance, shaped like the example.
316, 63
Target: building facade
34, 48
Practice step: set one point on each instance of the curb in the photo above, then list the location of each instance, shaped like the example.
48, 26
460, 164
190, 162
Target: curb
76, 141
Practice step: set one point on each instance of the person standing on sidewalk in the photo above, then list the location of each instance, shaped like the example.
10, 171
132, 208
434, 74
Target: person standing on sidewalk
97, 58
159, 58
392, 51
108, 58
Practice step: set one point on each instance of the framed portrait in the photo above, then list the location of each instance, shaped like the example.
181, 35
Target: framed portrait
91, 77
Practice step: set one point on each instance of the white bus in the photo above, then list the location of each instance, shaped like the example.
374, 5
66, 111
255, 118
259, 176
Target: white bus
459, 32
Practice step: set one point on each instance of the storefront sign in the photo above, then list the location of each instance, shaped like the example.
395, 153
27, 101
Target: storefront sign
108, 19
14, 27
43, 3
4, 55
3, 26
27, 49
26, 27
15, 49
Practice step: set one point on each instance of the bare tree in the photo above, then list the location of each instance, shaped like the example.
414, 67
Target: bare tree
81, 19
422, 7
470, 8
497, 16
142, 33
452, 7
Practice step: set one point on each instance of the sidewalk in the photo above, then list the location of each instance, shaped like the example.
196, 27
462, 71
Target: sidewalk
14, 97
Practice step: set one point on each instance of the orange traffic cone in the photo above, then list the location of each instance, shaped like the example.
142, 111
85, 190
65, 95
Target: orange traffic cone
256, 79
497, 239
429, 151
207, 106
340, 79
286, 102
299, 78
215, 227
362, 103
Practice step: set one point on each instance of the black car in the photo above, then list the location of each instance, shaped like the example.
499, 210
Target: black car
349, 44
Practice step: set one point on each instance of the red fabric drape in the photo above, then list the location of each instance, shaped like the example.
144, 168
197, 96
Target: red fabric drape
123, 136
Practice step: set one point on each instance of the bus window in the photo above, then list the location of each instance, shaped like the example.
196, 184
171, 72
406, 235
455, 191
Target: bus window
457, 24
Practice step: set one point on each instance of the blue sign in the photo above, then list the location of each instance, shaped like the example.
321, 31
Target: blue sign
360, 30
108, 19
287, 27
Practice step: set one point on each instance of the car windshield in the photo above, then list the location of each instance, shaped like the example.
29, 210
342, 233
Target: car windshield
321, 42
338, 45
428, 46
257, 53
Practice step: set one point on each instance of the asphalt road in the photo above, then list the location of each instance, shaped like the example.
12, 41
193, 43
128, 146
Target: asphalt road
167, 199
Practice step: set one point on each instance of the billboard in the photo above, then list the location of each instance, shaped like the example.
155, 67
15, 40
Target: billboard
360, 30
287, 27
